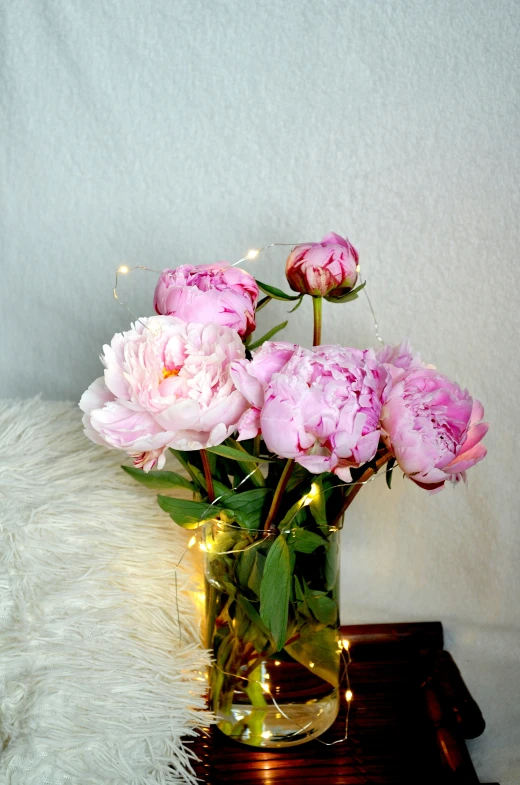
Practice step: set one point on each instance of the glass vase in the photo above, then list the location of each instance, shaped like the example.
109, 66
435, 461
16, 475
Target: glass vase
264, 693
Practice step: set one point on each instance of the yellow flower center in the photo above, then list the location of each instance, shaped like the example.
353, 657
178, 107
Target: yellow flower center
166, 373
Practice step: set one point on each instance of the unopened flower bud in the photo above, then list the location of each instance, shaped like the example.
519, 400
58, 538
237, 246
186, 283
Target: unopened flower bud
324, 269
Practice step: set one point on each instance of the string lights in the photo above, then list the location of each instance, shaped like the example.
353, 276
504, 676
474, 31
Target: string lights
124, 270
251, 255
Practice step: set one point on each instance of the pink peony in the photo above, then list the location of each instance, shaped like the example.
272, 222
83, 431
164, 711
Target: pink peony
166, 384
326, 269
399, 358
252, 378
208, 293
320, 406
433, 427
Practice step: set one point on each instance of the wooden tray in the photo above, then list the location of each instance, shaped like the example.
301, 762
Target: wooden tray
409, 716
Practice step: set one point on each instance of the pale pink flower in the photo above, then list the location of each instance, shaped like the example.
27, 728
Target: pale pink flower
208, 293
433, 427
252, 376
320, 406
166, 384
399, 357
325, 269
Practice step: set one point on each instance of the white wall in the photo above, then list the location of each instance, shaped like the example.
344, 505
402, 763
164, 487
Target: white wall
155, 132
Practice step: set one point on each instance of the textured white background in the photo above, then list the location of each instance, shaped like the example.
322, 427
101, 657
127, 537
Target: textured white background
165, 132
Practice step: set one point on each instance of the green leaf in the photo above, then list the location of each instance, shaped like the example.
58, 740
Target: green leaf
183, 459
323, 607
255, 579
217, 674
300, 300
250, 507
275, 293
257, 478
317, 506
304, 541
158, 480
222, 492
225, 540
389, 472
295, 515
198, 476
236, 455
335, 494
253, 614
244, 567
275, 591
268, 335
187, 513
352, 295
319, 647
298, 592
249, 571
298, 475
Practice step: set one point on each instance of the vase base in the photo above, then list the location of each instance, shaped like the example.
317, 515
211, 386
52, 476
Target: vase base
285, 725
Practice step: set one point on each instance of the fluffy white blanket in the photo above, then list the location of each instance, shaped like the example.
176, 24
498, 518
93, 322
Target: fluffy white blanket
97, 681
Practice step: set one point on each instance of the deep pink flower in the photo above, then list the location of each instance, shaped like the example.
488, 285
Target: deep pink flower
433, 427
320, 406
166, 384
208, 293
326, 269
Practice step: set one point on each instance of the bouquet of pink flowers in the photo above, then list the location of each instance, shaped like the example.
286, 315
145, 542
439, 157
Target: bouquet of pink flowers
275, 440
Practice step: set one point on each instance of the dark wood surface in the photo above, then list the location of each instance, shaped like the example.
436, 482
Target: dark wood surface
409, 717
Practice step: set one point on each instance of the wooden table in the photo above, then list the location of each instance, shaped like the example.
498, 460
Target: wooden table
409, 718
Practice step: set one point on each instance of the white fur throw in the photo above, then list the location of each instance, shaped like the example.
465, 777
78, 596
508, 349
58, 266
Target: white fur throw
95, 686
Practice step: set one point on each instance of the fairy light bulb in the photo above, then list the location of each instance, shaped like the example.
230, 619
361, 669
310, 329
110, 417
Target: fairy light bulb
192, 541
311, 496
252, 253
348, 696
264, 686
123, 269
345, 644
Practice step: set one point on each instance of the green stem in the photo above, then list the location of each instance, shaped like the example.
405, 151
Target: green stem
256, 717
263, 302
207, 475
257, 445
277, 498
317, 309
257, 478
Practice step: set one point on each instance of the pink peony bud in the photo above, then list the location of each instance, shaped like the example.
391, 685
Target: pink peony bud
326, 269
208, 293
